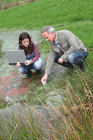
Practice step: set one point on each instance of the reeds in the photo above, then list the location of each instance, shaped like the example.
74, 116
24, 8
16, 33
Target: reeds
71, 120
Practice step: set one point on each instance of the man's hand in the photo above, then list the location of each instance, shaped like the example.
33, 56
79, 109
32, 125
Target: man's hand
60, 60
18, 64
27, 62
44, 78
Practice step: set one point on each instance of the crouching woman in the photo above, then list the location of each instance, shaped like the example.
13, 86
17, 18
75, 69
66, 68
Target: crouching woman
33, 59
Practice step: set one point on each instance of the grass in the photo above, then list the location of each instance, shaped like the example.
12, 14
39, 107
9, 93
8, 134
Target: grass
41, 11
75, 111
72, 119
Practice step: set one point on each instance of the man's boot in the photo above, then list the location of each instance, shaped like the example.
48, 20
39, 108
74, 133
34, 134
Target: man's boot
82, 65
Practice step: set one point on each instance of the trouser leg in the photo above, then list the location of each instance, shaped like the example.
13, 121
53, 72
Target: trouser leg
77, 57
24, 69
65, 64
38, 64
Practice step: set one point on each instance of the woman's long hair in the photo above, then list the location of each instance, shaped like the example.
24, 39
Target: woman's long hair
30, 48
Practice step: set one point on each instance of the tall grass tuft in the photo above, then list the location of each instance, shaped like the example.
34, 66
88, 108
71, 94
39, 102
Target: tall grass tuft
71, 120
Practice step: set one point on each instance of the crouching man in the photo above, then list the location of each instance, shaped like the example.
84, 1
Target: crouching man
65, 49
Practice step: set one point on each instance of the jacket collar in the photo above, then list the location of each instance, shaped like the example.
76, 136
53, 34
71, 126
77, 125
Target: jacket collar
57, 39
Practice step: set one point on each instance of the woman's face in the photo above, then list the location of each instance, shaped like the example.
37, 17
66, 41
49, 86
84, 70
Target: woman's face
25, 42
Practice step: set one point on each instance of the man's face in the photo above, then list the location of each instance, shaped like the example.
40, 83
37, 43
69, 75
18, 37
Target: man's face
49, 37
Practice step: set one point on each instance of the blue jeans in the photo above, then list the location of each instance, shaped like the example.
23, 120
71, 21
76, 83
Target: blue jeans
36, 65
74, 58
77, 57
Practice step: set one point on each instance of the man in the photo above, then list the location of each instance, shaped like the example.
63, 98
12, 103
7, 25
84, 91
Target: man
65, 49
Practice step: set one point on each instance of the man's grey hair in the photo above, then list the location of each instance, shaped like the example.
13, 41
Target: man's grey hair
48, 29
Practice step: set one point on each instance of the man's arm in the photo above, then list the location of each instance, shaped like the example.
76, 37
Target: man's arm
73, 46
49, 64
50, 60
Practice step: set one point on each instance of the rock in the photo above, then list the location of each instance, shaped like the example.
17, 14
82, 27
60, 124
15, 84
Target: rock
53, 99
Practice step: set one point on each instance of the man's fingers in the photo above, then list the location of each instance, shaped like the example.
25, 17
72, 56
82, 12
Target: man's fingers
42, 80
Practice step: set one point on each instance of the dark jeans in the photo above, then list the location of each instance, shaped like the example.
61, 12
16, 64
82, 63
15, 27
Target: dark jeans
74, 58
77, 57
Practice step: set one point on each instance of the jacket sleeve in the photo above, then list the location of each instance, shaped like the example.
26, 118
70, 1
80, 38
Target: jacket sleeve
73, 46
50, 60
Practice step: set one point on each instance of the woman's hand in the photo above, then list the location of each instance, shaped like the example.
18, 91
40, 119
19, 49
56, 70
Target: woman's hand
27, 62
18, 64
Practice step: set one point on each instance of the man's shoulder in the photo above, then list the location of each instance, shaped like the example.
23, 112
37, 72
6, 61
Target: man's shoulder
63, 32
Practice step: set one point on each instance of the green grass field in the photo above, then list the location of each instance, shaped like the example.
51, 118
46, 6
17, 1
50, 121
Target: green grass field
73, 15
37, 14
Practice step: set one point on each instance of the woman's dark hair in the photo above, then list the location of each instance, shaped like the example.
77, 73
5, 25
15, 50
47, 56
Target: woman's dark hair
30, 48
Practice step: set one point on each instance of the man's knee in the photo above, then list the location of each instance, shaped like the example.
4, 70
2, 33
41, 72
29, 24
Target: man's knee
70, 58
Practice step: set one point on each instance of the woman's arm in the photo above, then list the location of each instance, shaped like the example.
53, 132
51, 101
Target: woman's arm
36, 53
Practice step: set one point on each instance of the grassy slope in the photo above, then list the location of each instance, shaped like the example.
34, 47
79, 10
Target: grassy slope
61, 14
40, 13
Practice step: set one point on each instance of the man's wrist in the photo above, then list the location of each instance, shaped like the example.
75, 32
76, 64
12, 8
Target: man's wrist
46, 74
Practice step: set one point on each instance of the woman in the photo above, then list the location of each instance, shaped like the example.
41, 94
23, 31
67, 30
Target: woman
34, 61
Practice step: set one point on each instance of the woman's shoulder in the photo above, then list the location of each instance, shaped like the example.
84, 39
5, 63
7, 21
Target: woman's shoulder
34, 42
